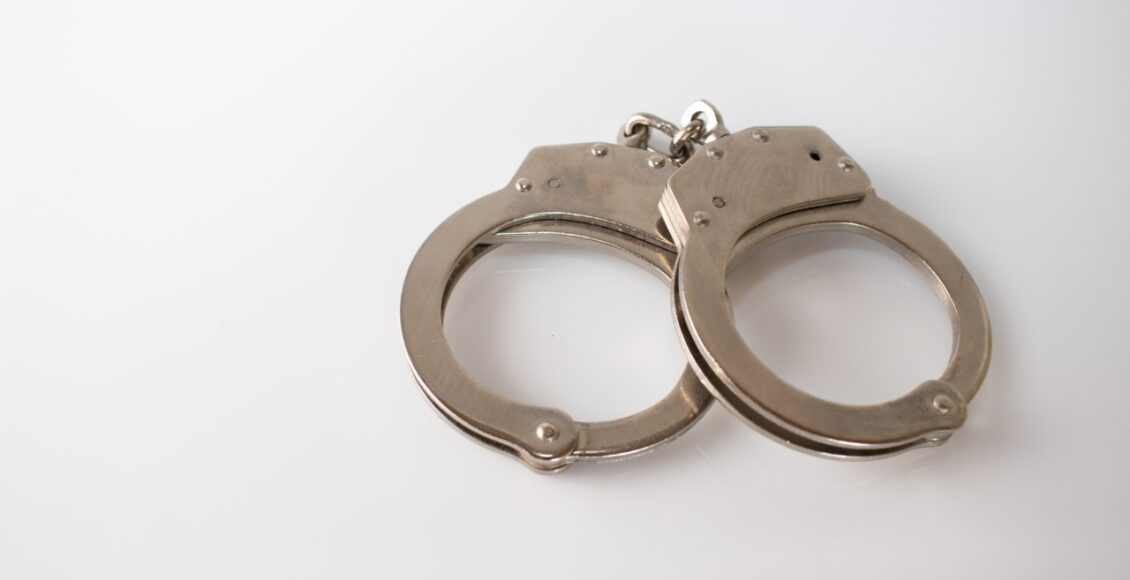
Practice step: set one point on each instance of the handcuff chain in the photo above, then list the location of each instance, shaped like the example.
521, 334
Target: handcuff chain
702, 123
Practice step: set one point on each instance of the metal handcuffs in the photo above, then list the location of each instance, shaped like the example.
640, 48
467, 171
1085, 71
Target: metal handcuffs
687, 216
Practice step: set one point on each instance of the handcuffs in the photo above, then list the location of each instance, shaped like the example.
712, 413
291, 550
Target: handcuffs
686, 214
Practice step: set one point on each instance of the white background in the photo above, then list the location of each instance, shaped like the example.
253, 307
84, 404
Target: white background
207, 209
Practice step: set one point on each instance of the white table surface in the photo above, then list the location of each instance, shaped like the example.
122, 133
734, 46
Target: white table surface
207, 210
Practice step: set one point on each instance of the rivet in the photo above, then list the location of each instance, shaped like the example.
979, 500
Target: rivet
847, 164
943, 404
523, 184
554, 182
656, 161
599, 150
547, 432
760, 135
701, 218
718, 202
714, 153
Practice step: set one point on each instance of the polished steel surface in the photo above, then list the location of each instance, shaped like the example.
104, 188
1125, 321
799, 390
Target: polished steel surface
765, 183
686, 217
598, 195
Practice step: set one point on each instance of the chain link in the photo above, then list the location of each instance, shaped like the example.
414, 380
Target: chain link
702, 123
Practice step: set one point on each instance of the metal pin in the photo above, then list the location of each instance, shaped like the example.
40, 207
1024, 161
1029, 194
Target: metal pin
943, 404
547, 432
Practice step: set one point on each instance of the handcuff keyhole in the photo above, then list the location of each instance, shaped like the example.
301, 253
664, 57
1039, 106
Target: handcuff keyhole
815, 155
